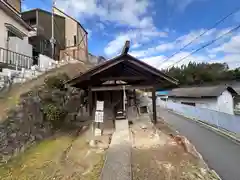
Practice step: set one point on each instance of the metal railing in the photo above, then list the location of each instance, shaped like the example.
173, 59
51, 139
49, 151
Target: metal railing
14, 59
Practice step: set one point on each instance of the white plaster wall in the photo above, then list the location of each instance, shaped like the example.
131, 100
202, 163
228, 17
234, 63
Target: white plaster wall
208, 103
4, 18
20, 46
45, 62
225, 103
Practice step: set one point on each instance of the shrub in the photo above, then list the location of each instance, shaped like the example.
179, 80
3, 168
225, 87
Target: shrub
56, 82
55, 115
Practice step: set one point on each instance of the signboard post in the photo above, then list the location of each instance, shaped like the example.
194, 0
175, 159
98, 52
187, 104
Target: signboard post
99, 115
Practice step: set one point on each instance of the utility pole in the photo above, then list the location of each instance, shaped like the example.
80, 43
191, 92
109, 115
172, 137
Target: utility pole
52, 38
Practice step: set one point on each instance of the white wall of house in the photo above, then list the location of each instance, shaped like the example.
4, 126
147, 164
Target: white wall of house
223, 103
209, 103
226, 103
20, 46
5, 18
46, 63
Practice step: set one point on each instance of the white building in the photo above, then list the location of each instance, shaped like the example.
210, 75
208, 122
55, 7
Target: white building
218, 98
14, 46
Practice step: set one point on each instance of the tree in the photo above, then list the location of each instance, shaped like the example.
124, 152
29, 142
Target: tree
202, 73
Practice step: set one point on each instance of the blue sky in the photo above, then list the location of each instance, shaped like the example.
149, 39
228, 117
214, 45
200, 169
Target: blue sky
153, 26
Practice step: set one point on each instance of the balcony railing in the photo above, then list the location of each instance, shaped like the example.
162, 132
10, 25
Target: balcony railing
14, 59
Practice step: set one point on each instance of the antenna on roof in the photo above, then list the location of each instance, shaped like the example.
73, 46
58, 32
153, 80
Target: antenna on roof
126, 47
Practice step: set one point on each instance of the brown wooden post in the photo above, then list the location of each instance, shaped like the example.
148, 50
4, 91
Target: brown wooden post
135, 98
90, 101
95, 99
154, 106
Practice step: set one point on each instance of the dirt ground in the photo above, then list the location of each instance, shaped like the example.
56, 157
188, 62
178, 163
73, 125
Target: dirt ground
65, 157
159, 155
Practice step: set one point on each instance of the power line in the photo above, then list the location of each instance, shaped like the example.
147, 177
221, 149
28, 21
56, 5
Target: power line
208, 44
196, 38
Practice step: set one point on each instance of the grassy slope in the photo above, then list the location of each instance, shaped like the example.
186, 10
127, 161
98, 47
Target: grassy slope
62, 157
10, 99
65, 157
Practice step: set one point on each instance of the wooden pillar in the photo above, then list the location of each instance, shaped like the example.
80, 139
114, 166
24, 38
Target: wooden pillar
90, 101
135, 98
95, 99
154, 109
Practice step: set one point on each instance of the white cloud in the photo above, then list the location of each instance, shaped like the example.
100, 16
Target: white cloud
136, 36
161, 62
232, 46
212, 56
136, 45
138, 54
230, 49
153, 50
179, 43
165, 47
156, 56
132, 12
116, 45
154, 61
232, 60
193, 37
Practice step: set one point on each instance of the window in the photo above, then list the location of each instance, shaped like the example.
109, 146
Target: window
75, 40
189, 103
14, 32
11, 34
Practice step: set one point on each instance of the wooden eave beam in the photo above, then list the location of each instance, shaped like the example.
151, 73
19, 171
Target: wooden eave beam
120, 87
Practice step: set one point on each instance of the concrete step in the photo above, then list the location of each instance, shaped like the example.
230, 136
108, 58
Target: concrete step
118, 159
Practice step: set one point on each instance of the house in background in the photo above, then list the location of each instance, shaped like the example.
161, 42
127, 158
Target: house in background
217, 98
95, 59
15, 51
75, 37
15, 4
41, 21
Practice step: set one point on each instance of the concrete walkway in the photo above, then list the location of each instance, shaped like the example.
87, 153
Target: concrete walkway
118, 159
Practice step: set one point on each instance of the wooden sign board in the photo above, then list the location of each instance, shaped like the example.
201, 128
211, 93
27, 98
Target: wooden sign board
98, 132
99, 116
100, 106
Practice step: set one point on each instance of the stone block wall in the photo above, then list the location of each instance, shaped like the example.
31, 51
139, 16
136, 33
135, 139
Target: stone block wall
23, 127
26, 124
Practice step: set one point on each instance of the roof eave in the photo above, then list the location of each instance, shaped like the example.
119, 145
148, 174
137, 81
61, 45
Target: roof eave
118, 59
15, 16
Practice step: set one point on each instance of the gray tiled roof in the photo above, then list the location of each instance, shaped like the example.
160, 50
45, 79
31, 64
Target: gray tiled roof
198, 92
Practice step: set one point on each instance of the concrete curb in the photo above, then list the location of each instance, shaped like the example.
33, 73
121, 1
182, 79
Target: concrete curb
212, 128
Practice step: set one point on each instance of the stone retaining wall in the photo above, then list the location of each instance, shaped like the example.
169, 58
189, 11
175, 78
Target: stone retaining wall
26, 124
